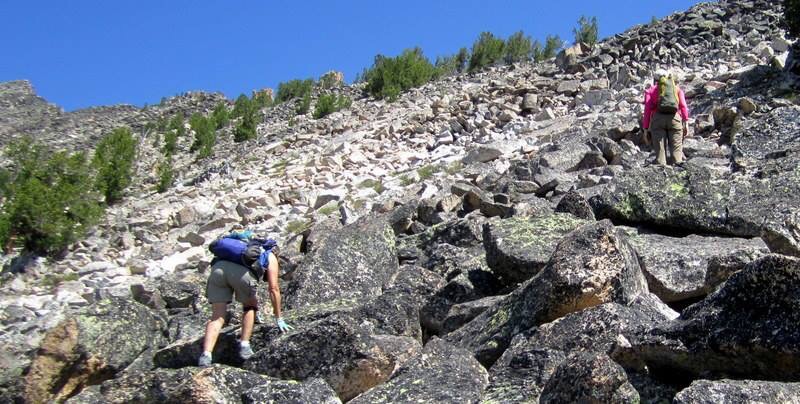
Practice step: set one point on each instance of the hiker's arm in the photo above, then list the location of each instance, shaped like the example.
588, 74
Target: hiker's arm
274, 289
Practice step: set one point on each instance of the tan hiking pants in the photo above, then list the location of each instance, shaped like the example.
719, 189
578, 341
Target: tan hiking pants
667, 129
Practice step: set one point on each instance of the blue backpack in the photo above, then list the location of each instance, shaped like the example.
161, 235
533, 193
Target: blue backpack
250, 253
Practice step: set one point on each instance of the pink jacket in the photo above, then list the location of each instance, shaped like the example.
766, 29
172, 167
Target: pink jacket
651, 104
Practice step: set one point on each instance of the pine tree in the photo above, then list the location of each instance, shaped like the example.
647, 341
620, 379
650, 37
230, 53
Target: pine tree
113, 159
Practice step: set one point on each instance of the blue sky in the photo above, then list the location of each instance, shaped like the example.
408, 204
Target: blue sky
82, 53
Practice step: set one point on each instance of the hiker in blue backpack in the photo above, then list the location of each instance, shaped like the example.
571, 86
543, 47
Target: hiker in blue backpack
240, 261
666, 117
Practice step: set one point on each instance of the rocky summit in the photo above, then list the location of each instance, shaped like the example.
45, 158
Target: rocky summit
496, 236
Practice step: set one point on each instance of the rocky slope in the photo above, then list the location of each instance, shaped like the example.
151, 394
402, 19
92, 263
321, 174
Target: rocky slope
497, 237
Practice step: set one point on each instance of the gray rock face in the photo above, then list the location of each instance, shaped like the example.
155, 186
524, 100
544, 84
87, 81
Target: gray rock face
525, 367
738, 391
353, 262
460, 314
592, 265
218, 383
336, 349
519, 247
291, 392
680, 268
696, 200
745, 329
575, 204
589, 378
91, 346
440, 373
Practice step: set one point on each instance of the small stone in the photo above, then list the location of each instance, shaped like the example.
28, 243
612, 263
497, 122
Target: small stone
747, 106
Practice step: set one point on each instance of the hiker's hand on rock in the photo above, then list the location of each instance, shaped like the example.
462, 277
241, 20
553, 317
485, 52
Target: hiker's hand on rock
282, 325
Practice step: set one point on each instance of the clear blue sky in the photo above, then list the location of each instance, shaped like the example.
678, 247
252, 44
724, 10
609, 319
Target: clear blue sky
81, 53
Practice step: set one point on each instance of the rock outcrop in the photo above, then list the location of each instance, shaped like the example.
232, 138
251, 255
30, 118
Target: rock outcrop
90, 347
745, 329
440, 373
592, 265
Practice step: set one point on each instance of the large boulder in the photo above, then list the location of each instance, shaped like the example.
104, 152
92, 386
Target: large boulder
521, 373
517, 248
314, 390
91, 346
592, 265
575, 204
746, 329
697, 199
337, 349
440, 373
769, 139
216, 384
356, 261
589, 378
738, 391
681, 268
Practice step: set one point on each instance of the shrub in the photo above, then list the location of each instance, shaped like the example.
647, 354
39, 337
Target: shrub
426, 172
113, 159
454, 64
246, 128
791, 13
204, 135
330, 103
486, 51
388, 77
50, 199
170, 143
586, 31
293, 89
552, 46
518, 48
165, 175
176, 124
304, 105
220, 115
241, 107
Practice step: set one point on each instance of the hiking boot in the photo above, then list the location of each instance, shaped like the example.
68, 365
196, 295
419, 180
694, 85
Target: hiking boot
204, 361
245, 352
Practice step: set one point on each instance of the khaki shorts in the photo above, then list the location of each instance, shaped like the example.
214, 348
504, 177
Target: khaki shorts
227, 278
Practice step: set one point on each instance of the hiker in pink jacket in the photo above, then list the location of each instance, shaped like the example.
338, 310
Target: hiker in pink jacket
665, 118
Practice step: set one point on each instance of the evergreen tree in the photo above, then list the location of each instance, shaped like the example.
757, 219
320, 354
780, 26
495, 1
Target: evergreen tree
586, 31
50, 199
388, 77
165, 174
241, 107
552, 46
220, 116
293, 89
176, 124
330, 103
113, 159
518, 48
486, 51
204, 135
246, 129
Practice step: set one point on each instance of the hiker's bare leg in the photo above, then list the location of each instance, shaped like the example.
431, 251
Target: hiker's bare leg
274, 288
214, 325
248, 319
